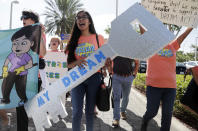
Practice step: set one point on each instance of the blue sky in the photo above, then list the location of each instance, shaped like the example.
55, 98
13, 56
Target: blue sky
102, 11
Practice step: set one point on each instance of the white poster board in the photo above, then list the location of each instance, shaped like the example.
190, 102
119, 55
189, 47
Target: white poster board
177, 12
56, 65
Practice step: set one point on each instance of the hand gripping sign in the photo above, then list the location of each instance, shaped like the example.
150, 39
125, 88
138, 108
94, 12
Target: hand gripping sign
123, 41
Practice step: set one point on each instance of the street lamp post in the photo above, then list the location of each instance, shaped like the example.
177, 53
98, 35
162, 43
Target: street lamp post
116, 8
13, 2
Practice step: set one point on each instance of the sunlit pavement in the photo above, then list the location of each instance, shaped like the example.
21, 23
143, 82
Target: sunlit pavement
103, 121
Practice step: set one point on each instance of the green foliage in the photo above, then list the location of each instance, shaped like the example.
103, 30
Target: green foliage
181, 85
181, 57
107, 30
139, 83
60, 15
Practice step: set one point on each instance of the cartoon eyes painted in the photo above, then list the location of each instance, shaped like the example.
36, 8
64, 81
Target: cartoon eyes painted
23, 43
14, 43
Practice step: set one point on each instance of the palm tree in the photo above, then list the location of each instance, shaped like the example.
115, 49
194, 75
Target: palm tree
60, 15
107, 30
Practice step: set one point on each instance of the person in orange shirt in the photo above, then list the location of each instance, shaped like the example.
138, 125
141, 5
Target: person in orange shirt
83, 43
161, 83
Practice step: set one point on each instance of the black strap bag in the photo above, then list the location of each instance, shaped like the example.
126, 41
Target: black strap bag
103, 95
41, 63
104, 92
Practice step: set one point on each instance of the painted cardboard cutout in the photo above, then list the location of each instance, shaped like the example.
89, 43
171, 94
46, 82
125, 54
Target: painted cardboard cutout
47, 104
17, 66
140, 46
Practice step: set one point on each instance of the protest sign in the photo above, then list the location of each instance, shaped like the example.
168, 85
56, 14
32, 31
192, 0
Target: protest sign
56, 65
19, 60
177, 12
123, 41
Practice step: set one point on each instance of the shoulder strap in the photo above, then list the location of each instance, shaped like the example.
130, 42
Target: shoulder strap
97, 40
99, 47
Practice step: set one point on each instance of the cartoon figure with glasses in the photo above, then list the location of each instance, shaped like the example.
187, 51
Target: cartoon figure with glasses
17, 63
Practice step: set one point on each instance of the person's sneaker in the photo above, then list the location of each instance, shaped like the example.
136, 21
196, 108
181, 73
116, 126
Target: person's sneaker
115, 123
123, 115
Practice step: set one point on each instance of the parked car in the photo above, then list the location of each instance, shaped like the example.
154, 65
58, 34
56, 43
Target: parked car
180, 68
190, 64
142, 67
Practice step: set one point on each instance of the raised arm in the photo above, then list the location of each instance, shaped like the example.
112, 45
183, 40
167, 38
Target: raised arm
181, 38
136, 67
42, 42
142, 30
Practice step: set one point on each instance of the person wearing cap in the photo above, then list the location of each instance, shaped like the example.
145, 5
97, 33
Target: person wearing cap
29, 18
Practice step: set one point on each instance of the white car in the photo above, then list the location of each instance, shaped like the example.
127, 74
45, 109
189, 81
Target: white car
191, 64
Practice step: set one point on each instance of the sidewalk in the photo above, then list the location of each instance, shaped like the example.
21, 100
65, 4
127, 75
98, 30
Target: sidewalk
103, 121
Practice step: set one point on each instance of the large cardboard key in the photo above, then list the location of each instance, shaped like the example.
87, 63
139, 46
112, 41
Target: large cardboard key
123, 41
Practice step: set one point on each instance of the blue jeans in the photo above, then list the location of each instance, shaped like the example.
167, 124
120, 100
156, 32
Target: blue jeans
89, 89
154, 96
121, 87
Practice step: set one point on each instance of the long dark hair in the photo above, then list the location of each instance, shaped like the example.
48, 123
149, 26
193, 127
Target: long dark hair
75, 35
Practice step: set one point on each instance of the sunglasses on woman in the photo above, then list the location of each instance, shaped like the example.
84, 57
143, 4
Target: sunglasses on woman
82, 17
25, 17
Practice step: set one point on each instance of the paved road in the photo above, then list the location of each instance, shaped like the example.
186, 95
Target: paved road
103, 121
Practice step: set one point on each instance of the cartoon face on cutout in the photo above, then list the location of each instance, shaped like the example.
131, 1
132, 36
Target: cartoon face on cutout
21, 45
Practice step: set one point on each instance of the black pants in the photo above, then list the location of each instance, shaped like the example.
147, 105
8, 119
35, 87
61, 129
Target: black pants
22, 119
20, 85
